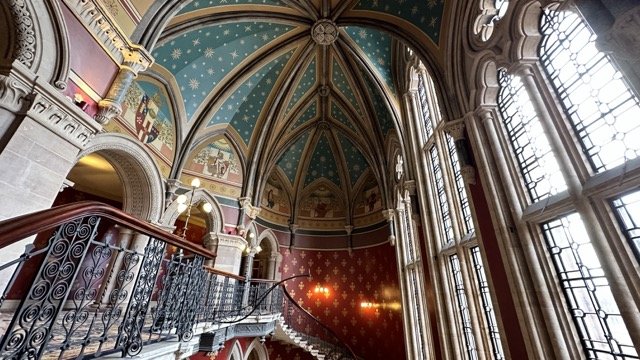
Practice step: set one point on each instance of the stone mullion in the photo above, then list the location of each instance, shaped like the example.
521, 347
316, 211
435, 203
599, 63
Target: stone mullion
549, 336
615, 275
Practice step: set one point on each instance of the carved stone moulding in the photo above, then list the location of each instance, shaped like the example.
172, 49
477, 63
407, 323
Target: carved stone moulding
324, 32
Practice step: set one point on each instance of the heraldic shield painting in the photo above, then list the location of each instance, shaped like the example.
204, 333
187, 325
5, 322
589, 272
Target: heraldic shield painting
146, 112
218, 165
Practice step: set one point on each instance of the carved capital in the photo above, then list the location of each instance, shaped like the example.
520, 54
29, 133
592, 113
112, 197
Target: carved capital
456, 129
136, 59
108, 109
389, 214
468, 173
13, 94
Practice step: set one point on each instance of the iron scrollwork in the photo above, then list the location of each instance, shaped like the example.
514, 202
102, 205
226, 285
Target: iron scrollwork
31, 327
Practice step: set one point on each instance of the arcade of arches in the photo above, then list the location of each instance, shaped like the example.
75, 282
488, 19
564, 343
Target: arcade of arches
462, 176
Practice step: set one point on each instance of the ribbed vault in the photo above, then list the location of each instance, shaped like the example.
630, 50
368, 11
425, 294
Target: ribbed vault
291, 102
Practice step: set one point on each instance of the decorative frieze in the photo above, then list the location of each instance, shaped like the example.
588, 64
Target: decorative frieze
98, 21
25, 46
23, 92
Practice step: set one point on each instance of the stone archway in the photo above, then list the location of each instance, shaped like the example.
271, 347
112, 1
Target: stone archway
257, 351
141, 180
270, 253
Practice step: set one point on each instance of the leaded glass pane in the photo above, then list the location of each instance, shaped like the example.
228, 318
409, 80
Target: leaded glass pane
603, 110
424, 107
463, 308
487, 305
587, 291
460, 189
445, 215
540, 170
628, 210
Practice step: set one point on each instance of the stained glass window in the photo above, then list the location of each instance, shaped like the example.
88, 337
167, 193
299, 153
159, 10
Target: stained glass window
463, 308
603, 110
537, 163
587, 291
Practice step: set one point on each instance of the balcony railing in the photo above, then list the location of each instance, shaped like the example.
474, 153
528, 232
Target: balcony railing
79, 291
314, 332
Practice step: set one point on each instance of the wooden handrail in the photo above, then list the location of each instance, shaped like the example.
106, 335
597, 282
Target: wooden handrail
21, 227
223, 273
286, 293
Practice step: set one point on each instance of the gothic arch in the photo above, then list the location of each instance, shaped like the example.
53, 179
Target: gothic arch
236, 351
38, 33
214, 219
259, 349
142, 182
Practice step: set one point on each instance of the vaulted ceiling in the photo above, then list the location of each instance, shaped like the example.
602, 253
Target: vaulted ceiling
305, 90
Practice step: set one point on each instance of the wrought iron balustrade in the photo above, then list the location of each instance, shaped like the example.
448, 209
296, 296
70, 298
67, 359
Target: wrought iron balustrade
79, 291
313, 331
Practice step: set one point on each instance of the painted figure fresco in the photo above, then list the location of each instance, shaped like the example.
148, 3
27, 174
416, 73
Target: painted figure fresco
217, 161
274, 197
369, 199
322, 203
146, 113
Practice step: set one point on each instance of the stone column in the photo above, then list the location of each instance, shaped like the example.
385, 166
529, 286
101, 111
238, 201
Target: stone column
210, 242
41, 134
229, 253
109, 284
135, 60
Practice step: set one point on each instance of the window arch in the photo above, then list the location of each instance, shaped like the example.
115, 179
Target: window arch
602, 108
467, 299
563, 137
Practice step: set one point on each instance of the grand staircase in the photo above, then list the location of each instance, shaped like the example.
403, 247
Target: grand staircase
76, 293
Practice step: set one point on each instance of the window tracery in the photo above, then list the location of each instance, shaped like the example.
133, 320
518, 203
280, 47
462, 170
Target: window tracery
491, 12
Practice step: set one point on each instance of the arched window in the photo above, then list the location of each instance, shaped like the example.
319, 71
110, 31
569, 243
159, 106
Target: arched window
569, 163
603, 110
469, 301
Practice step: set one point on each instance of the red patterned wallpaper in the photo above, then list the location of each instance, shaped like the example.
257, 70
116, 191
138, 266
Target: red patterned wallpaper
367, 275
281, 351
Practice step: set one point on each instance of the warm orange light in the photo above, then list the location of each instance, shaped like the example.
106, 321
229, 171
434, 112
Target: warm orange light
319, 289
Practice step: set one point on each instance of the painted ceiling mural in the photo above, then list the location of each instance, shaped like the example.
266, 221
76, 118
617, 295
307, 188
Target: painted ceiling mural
307, 115
377, 48
203, 4
252, 73
217, 164
323, 163
200, 59
425, 14
243, 107
304, 86
147, 116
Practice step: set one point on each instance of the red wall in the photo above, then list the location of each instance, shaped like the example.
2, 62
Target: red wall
280, 351
365, 275
500, 281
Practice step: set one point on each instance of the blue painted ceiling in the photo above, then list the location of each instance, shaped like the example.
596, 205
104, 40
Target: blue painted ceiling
249, 69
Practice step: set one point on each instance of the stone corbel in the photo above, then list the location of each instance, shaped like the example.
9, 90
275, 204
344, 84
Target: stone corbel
135, 60
172, 187
389, 215
14, 93
251, 211
409, 186
456, 130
